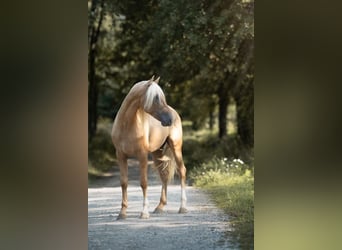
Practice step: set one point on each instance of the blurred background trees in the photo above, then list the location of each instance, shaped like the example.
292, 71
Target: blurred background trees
203, 50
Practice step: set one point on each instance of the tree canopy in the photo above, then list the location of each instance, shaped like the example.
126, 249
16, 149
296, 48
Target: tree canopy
203, 51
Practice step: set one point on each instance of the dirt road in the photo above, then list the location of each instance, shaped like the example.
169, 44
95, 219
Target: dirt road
203, 227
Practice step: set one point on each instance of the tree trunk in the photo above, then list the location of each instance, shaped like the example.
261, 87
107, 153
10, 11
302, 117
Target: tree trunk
92, 98
211, 120
93, 89
223, 108
245, 117
212, 105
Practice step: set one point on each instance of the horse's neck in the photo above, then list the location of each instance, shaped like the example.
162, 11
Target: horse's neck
130, 115
131, 119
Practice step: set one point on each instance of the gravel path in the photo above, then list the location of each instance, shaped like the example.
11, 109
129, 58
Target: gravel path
203, 227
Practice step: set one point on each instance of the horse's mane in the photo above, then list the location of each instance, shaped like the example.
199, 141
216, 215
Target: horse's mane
153, 91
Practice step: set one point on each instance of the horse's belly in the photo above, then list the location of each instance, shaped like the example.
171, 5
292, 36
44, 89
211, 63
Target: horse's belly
155, 146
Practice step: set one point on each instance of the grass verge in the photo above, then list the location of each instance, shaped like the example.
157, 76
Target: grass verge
101, 152
231, 186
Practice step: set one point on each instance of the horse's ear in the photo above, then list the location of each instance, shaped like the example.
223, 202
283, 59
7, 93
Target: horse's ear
149, 82
157, 80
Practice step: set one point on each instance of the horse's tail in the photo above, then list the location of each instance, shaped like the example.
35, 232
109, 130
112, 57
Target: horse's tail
166, 164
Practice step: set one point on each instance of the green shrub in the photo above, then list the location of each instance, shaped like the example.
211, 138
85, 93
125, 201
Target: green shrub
202, 146
101, 152
222, 166
231, 186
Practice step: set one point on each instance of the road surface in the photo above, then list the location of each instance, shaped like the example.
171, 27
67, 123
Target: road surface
203, 227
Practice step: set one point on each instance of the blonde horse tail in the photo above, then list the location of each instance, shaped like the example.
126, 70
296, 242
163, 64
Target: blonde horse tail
166, 164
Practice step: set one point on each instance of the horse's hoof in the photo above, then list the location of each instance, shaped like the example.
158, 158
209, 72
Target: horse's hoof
158, 211
183, 210
144, 216
121, 217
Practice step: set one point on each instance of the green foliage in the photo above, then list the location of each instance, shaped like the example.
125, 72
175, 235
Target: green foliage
199, 48
231, 186
101, 152
203, 145
219, 167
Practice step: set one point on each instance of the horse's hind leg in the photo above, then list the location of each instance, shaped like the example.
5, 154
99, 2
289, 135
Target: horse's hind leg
176, 146
143, 183
122, 160
157, 155
182, 174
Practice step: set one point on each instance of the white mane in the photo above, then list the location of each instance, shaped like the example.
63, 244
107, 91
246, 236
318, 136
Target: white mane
152, 91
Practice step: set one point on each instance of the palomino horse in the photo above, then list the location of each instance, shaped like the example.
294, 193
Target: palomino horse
145, 123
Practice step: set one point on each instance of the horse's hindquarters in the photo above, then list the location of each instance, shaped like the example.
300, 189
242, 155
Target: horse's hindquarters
157, 134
